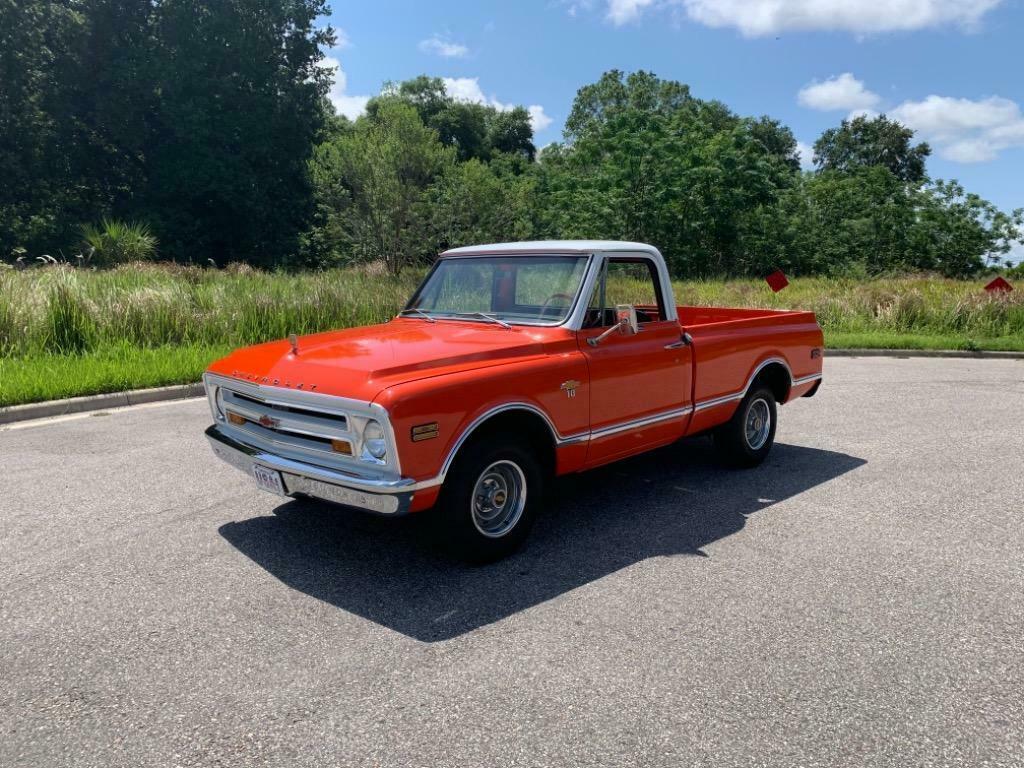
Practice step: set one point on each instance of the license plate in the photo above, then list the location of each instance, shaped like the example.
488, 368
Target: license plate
268, 479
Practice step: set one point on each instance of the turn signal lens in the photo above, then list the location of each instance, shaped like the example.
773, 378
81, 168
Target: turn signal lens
234, 418
341, 446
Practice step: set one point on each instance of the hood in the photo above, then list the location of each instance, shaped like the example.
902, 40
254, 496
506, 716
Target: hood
359, 362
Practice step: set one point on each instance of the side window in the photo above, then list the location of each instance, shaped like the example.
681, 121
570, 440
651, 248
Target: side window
635, 281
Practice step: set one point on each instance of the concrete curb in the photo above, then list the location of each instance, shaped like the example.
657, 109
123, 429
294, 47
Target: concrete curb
14, 413
924, 353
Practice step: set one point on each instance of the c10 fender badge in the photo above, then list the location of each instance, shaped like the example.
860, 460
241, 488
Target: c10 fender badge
570, 387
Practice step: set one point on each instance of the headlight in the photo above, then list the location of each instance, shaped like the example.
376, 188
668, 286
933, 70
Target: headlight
215, 397
374, 443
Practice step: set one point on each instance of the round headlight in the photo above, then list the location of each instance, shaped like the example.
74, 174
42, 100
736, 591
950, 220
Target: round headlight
218, 400
373, 440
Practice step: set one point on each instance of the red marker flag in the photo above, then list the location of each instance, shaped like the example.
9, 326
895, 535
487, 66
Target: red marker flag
999, 284
777, 280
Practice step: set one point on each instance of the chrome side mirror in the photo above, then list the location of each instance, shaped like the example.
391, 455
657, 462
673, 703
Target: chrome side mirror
626, 324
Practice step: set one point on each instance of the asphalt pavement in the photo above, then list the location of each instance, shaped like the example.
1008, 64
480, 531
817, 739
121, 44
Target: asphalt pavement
856, 601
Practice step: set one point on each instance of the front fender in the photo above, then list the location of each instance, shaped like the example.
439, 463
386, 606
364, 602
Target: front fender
461, 402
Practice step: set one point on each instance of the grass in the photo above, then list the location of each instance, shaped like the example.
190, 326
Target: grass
67, 332
114, 369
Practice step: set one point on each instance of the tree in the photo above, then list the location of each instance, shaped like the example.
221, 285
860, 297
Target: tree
241, 105
644, 160
385, 165
955, 232
865, 142
476, 131
475, 202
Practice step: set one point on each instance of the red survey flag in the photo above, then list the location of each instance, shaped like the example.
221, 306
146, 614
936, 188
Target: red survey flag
999, 284
777, 280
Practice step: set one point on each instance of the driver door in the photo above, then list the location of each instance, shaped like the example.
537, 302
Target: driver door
640, 384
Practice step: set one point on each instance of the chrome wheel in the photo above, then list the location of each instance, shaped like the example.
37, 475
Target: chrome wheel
498, 499
758, 424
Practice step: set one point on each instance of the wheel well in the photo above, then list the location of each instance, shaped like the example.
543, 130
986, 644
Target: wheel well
776, 377
520, 425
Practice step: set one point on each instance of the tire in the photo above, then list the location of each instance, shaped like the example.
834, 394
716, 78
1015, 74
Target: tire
490, 499
746, 439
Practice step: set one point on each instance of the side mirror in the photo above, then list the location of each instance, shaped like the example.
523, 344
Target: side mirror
625, 314
626, 324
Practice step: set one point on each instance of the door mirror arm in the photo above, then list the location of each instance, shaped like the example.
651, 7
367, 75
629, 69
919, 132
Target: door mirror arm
627, 324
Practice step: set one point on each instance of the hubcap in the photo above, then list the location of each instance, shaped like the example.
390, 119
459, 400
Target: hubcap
499, 498
758, 423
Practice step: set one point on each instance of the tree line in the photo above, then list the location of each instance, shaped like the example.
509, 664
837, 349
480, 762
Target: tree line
205, 125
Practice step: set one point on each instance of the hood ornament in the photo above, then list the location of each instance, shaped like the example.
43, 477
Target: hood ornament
294, 341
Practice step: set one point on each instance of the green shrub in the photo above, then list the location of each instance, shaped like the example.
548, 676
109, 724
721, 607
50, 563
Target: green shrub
116, 242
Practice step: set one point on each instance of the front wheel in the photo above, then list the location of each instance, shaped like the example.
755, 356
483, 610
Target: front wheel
746, 439
490, 500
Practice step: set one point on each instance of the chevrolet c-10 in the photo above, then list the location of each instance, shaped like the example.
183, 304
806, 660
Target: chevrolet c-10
510, 365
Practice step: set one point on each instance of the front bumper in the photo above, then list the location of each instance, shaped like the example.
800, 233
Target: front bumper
388, 497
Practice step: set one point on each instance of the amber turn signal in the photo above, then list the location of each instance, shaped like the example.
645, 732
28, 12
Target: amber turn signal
234, 418
341, 446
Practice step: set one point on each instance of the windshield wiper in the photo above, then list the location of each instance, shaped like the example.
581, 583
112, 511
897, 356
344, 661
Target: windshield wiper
418, 311
485, 316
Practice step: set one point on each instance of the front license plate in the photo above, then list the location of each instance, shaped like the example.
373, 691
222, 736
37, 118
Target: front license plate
268, 479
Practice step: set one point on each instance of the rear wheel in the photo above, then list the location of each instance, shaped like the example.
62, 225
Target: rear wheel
490, 499
746, 439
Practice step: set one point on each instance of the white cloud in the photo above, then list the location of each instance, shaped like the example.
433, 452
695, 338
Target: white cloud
468, 89
755, 18
806, 153
965, 130
843, 92
441, 47
344, 103
623, 11
538, 118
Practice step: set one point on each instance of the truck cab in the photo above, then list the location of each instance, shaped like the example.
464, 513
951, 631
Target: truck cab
511, 364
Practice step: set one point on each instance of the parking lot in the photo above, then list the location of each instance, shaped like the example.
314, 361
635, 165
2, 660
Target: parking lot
857, 600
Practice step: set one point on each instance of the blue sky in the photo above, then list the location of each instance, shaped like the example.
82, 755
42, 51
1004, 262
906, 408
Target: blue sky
951, 69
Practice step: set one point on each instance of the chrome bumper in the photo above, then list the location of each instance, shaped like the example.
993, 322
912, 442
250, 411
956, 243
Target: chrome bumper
389, 497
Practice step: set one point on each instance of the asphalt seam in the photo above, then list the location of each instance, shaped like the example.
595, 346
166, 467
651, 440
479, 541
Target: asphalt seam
51, 408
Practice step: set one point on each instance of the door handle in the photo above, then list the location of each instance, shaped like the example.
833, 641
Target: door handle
685, 341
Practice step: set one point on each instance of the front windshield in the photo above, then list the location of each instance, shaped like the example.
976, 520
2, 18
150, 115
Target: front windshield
512, 289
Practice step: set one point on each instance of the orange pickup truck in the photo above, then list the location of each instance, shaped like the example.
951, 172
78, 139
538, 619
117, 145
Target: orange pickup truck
511, 364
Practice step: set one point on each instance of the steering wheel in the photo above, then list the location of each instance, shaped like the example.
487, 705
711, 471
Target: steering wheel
552, 297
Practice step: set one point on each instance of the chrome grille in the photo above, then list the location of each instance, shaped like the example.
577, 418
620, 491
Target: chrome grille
272, 422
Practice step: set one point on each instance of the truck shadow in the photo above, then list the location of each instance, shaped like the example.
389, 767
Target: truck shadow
673, 501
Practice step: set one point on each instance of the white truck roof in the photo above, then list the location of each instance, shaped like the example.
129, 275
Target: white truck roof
554, 246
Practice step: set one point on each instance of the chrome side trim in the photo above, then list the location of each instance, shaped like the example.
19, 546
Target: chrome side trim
806, 379
703, 405
615, 429
560, 439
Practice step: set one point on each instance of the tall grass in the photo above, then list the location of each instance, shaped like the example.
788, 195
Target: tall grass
65, 331
64, 310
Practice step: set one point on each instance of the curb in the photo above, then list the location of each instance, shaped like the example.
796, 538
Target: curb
14, 413
924, 353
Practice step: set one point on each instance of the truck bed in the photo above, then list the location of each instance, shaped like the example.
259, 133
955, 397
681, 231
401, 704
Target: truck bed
699, 316
729, 344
